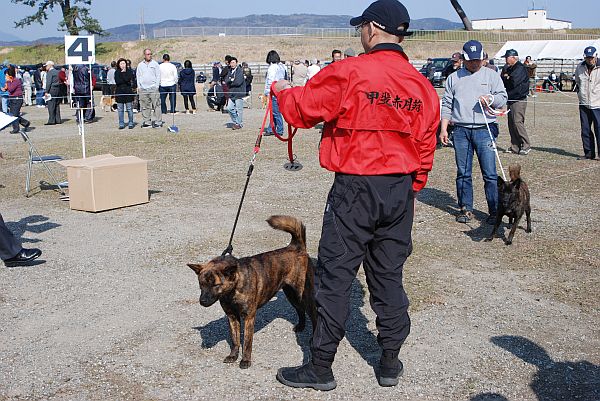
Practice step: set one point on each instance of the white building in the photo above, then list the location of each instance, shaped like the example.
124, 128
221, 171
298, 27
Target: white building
536, 19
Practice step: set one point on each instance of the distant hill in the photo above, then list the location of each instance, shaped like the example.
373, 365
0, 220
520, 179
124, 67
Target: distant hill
131, 31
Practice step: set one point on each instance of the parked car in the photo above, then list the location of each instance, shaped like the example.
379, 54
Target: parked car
439, 64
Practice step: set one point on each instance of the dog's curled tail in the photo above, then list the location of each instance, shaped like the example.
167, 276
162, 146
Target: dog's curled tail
514, 171
291, 225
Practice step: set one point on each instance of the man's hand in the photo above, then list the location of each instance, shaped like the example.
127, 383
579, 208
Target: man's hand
281, 85
444, 136
486, 99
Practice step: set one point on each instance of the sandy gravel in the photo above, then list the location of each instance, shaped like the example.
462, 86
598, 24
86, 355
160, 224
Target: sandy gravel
113, 312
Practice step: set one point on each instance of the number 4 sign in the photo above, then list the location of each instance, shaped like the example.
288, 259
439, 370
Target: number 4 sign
80, 50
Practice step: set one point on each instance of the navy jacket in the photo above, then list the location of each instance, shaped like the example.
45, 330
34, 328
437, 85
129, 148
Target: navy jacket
236, 83
516, 81
187, 84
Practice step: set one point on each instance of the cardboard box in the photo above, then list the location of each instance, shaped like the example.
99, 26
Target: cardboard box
106, 182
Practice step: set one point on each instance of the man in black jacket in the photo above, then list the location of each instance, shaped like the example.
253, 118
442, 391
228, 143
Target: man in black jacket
516, 82
237, 90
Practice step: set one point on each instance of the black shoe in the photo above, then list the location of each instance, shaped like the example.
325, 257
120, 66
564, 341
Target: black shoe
130, 127
390, 369
27, 124
307, 376
146, 125
50, 124
15, 131
267, 133
23, 258
122, 127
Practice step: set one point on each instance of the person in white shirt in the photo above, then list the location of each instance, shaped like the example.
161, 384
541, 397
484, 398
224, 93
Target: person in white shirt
276, 72
168, 84
313, 69
148, 81
27, 87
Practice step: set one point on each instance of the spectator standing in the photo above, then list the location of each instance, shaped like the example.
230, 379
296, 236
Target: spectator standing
168, 84
110, 78
460, 105
349, 52
62, 78
516, 82
299, 73
313, 69
187, 87
39, 87
27, 87
148, 82
430, 70
275, 72
3, 93
53, 89
488, 64
136, 101
248, 77
336, 55
379, 139
82, 92
531, 72
15, 99
124, 93
587, 77
237, 91
453, 66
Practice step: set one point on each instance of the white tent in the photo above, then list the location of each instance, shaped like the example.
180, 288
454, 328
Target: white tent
549, 49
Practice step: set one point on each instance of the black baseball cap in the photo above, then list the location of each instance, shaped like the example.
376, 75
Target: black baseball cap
511, 53
388, 15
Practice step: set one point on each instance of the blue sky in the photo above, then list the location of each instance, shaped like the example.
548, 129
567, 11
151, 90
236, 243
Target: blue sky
111, 13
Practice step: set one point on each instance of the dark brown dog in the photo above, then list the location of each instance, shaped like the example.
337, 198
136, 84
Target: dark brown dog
244, 285
513, 201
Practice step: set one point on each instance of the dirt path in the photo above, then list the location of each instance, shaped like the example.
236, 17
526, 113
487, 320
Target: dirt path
113, 312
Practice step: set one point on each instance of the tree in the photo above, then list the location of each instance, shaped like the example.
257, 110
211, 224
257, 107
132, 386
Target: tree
463, 16
75, 17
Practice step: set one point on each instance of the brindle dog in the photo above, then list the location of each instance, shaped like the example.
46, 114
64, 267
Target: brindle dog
243, 285
513, 201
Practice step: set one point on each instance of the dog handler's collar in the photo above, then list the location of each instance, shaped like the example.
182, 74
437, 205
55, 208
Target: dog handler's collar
389, 46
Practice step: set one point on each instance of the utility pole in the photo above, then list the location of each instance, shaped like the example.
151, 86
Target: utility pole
142, 26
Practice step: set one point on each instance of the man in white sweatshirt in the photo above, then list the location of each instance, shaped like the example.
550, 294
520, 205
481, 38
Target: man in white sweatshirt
148, 81
168, 84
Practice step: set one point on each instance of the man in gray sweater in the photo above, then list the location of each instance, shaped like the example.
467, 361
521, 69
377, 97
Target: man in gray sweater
465, 89
148, 81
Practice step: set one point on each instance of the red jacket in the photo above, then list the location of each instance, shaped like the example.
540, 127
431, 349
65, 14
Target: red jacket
381, 115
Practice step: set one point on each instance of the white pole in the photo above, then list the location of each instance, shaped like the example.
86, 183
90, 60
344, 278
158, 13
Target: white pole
82, 130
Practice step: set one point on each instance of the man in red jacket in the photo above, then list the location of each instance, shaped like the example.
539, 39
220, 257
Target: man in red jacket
381, 116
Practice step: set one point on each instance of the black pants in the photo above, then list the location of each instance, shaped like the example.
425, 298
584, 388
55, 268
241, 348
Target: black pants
368, 220
9, 245
189, 96
54, 109
14, 106
589, 137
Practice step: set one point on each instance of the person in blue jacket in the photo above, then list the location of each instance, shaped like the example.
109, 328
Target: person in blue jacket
187, 86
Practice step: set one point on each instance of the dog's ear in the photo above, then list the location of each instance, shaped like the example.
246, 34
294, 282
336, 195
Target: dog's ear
195, 267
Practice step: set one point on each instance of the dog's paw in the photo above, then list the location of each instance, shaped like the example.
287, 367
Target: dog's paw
230, 359
245, 364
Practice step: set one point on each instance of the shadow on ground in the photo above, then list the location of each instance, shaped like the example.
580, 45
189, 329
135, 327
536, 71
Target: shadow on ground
571, 380
36, 224
357, 331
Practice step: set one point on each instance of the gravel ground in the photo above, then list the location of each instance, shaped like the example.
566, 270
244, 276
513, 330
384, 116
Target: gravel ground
113, 311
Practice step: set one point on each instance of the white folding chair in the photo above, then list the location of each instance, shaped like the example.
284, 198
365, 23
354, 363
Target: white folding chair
36, 158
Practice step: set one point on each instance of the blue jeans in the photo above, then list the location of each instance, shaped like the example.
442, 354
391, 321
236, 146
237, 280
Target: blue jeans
121, 111
277, 117
467, 140
39, 97
589, 117
172, 92
236, 111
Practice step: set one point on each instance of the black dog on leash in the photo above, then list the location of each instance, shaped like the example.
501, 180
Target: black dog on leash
513, 201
